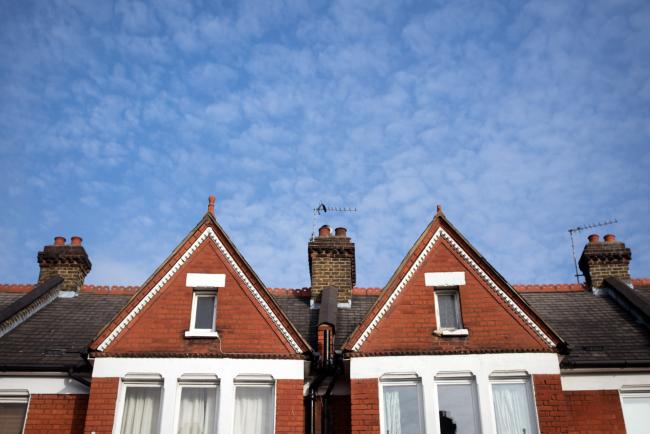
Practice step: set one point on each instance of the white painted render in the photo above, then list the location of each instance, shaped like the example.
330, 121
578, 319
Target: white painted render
452, 278
173, 369
41, 384
205, 280
604, 381
481, 366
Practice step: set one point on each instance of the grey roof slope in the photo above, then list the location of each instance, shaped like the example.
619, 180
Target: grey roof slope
306, 320
54, 336
6, 298
598, 331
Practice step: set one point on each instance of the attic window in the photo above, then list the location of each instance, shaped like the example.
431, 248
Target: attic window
204, 314
204, 304
448, 317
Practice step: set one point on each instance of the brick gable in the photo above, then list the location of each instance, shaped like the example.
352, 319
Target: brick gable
155, 320
403, 318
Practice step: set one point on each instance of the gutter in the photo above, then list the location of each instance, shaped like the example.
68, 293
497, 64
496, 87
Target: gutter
615, 363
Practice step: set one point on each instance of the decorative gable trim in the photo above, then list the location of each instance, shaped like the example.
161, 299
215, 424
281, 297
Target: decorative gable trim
208, 233
486, 278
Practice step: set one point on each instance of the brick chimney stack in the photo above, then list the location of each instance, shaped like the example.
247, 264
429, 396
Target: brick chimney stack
70, 261
603, 259
332, 263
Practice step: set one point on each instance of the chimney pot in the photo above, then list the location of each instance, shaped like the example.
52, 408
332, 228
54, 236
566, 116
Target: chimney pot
76, 240
59, 241
341, 232
593, 238
211, 199
324, 231
610, 238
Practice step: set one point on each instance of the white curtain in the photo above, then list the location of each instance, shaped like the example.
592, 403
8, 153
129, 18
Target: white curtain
197, 410
141, 408
512, 408
393, 414
402, 409
254, 410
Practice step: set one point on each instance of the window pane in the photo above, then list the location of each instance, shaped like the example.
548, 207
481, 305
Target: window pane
141, 407
636, 408
402, 409
197, 413
458, 409
447, 314
12, 417
512, 409
204, 317
254, 411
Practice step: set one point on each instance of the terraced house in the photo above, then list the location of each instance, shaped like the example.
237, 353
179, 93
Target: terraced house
446, 346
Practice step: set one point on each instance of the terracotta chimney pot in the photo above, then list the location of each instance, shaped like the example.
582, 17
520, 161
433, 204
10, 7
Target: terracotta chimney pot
610, 238
59, 241
340, 232
76, 240
593, 238
324, 231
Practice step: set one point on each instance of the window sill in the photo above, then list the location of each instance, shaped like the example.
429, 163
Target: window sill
201, 334
455, 332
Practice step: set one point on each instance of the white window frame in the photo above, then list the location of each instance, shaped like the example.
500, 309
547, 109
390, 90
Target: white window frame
195, 381
203, 333
138, 380
16, 397
631, 391
514, 377
257, 381
400, 379
455, 379
449, 331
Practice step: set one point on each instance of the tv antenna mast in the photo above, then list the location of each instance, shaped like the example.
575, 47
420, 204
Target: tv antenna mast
578, 229
324, 209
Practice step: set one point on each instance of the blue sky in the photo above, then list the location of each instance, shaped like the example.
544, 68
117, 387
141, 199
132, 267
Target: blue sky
118, 119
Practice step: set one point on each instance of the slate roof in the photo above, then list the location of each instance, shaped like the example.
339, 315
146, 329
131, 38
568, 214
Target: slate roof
644, 292
55, 335
306, 320
597, 329
7, 298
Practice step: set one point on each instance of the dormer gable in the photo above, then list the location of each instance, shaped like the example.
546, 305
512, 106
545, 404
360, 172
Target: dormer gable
204, 299
446, 298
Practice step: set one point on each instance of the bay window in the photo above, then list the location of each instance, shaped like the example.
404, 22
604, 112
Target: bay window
198, 404
13, 409
254, 404
514, 404
457, 403
402, 404
142, 397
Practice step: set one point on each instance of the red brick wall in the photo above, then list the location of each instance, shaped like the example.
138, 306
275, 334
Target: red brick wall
290, 407
595, 412
101, 405
242, 324
410, 322
55, 413
364, 396
552, 411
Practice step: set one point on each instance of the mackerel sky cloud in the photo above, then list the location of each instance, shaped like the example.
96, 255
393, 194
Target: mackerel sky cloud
524, 119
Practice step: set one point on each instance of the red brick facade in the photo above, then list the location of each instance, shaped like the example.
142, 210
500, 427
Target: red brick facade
595, 412
101, 405
492, 324
552, 411
290, 407
364, 396
56, 414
